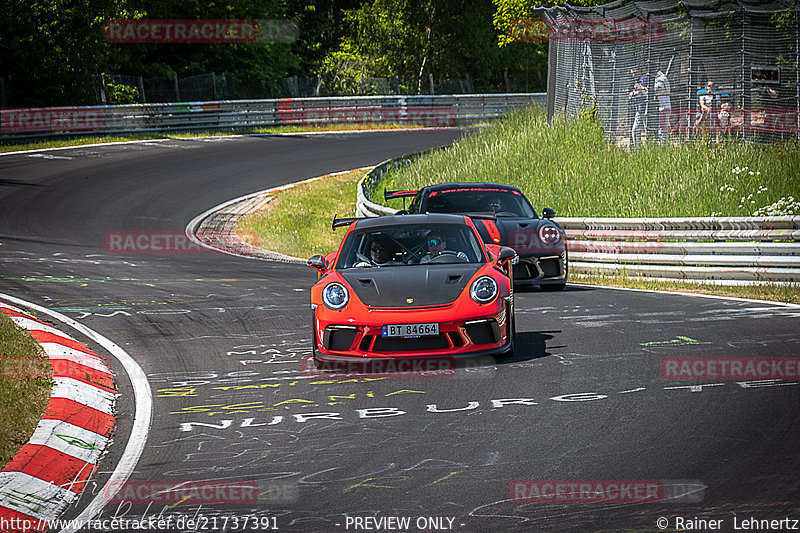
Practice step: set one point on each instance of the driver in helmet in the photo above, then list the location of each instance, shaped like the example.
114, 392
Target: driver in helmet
494, 204
437, 246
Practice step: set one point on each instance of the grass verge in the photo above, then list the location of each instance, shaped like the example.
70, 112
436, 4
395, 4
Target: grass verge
771, 292
569, 167
15, 146
25, 382
298, 223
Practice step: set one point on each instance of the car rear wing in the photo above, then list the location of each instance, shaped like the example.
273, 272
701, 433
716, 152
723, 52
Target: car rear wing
391, 195
485, 215
339, 222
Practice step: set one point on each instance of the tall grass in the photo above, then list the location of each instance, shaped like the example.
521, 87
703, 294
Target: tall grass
569, 166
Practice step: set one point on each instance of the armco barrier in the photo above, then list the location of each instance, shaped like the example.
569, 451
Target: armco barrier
733, 250
441, 110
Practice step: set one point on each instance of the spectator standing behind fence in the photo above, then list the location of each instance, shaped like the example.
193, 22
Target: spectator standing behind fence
638, 96
662, 90
724, 120
705, 97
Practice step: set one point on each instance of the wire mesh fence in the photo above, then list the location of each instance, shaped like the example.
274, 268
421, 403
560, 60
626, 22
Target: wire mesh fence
667, 71
116, 89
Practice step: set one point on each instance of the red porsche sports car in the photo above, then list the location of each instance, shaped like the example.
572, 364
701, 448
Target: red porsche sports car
412, 286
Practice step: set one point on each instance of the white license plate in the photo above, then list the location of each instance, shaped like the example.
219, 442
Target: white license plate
410, 330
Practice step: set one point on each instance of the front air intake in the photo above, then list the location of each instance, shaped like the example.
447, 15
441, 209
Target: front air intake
483, 331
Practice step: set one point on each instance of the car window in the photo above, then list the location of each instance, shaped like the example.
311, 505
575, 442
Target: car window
502, 202
409, 245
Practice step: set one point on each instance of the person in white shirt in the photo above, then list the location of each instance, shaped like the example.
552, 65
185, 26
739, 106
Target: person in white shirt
661, 89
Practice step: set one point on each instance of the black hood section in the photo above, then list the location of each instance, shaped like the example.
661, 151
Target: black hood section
435, 284
522, 234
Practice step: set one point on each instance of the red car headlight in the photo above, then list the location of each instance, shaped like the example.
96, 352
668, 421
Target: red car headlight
483, 290
335, 295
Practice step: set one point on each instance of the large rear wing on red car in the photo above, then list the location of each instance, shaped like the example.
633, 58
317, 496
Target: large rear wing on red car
339, 222
391, 195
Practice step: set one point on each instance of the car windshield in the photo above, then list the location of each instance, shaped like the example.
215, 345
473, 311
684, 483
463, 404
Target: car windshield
410, 245
500, 201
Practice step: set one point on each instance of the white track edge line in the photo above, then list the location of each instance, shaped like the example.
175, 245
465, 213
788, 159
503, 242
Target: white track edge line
143, 412
233, 136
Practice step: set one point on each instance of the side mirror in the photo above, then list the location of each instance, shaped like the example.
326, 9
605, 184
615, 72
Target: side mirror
506, 254
548, 213
402, 212
317, 262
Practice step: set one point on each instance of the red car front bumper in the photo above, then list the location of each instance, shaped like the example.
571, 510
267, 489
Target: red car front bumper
477, 330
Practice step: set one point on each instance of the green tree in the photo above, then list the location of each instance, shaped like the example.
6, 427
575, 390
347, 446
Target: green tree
251, 67
50, 49
323, 27
508, 12
412, 39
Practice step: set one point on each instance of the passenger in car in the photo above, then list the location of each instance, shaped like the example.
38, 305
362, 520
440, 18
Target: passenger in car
379, 253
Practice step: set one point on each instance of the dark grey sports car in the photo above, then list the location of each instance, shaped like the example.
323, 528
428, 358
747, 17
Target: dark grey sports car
540, 242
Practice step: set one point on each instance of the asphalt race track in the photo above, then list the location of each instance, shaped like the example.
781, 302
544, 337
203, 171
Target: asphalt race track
221, 340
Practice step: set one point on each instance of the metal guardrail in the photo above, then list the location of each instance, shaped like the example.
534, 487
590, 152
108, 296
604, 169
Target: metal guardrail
364, 206
439, 110
732, 249
712, 250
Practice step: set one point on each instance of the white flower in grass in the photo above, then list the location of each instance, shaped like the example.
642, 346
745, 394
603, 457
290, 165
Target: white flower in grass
784, 206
